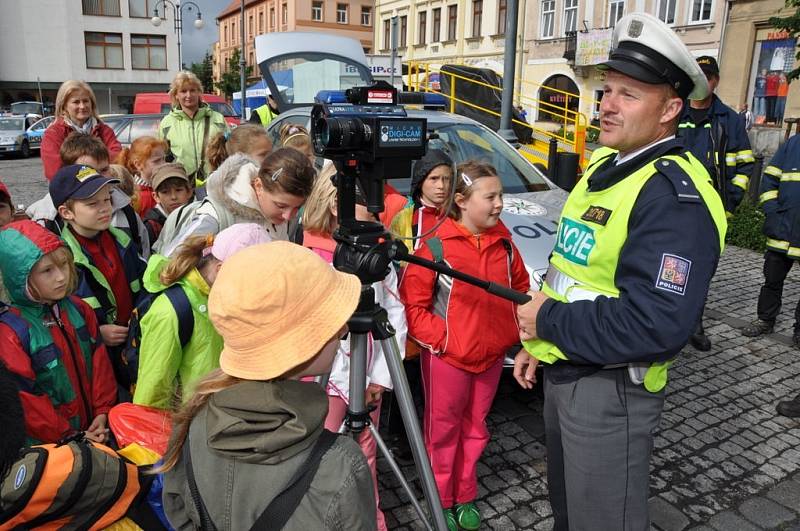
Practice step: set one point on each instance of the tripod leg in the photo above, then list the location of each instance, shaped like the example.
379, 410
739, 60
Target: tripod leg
399, 474
406, 403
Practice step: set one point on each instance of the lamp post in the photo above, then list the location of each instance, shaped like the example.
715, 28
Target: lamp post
177, 16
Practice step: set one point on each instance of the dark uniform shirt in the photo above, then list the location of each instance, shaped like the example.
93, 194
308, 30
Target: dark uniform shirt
644, 323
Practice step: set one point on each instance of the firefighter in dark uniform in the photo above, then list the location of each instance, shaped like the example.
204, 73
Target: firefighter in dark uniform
717, 135
637, 245
780, 200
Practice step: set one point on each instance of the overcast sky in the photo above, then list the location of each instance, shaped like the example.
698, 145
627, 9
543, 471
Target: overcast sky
197, 42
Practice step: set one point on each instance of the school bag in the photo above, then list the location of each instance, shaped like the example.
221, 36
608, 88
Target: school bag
76, 484
183, 309
180, 218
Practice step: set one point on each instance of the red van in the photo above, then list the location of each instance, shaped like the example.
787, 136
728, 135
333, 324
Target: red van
159, 103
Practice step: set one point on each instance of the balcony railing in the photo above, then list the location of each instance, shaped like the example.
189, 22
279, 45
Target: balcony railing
570, 45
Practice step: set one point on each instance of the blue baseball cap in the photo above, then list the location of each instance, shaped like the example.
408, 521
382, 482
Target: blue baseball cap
76, 182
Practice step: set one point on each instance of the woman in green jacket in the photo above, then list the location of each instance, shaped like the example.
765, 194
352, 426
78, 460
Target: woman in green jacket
166, 369
190, 125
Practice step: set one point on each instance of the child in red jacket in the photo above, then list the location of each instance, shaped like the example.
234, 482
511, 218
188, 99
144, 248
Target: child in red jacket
50, 339
466, 332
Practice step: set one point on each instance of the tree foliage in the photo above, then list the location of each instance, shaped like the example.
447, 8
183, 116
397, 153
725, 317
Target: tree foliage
791, 24
230, 79
204, 71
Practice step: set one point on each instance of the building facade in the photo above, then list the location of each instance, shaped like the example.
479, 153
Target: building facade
755, 61
110, 44
565, 39
352, 19
470, 32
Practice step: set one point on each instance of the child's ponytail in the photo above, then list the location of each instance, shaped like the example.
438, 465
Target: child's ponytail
217, 150
193, 253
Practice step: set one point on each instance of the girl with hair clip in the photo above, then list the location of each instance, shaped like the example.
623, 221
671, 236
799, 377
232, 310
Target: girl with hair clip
462, 357
241, 192
142, 159
319, 222
50, 339
166, 368
252, 140
297, 137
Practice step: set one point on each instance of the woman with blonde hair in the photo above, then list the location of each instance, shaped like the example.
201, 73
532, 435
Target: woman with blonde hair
190, 125
76, 112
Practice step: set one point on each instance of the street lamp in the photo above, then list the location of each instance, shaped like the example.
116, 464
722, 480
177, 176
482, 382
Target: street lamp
177, 16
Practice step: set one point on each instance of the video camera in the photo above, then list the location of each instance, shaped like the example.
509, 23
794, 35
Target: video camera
368, 136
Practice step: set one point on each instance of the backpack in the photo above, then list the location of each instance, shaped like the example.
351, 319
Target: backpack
179, 219
75, 485
183, 308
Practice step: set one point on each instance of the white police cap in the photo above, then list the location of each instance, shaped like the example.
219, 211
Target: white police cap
646, 49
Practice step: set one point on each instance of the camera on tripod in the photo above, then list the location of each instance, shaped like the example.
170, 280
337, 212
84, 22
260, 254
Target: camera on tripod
368, 135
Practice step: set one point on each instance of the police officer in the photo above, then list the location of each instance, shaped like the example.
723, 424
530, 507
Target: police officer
717, 135
638, 242
266, 113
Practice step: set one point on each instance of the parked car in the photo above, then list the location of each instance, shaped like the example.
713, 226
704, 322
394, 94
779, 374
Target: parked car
29, 109
14, 135
129, 127
159, 102
36, 131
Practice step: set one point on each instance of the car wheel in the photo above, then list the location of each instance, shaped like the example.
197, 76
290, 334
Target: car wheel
25, 150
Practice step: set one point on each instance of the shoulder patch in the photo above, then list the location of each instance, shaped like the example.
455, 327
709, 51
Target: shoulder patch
673, 275
685, 189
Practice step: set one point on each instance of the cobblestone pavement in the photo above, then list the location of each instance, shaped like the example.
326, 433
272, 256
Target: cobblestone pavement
723, 459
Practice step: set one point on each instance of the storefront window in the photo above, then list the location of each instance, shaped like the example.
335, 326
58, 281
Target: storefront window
773, 59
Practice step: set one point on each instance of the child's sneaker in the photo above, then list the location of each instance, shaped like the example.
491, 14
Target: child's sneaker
468, 516
450, 518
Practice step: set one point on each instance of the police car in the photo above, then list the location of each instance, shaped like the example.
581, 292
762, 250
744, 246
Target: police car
19, 135
532, 202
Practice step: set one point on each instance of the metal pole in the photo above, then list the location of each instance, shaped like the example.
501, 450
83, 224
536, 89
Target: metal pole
394, 50
176, 11
39, 86
508, 73
242, 66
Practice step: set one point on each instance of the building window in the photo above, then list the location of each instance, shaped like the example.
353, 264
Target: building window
403, 30
103, 50
666, 11
316, 11
437, 25
252, 60
250, 26
701, 11
423, 27
452, 20
548, 19
106, 8
477, 14
225, 34
502, 7
233, 32
260, 22
141, 8
366, 16
387, 34
272, 19
571, 15
284, 14
148, 52
341, 13
616, 9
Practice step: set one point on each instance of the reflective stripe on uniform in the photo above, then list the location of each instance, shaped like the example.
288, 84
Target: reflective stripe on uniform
774, 171
778, 244
746, 155
741, 181
790, 176
730, 159
766, 196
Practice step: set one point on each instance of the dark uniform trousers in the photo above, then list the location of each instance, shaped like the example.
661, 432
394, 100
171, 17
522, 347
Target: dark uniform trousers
776, 267
589, 420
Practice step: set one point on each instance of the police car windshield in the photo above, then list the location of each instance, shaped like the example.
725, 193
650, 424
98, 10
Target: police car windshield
12, 124
468, 141
306, 74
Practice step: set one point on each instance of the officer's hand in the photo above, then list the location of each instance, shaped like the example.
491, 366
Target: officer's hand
527, 314
113, 335
525, 369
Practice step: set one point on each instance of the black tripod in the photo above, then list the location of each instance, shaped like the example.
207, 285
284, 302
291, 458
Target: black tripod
367, 250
